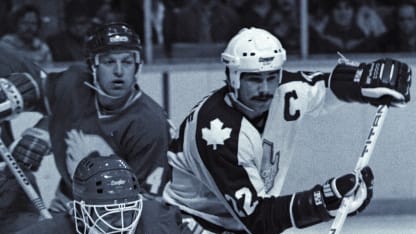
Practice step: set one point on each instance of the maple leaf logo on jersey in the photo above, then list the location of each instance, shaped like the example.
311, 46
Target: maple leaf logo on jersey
80, 145
216, 135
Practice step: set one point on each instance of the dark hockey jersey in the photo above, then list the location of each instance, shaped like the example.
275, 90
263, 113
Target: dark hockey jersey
155, 218
228, 172
139, 133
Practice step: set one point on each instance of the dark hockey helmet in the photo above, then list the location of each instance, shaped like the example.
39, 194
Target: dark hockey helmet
106, 195
111, 37
104, 180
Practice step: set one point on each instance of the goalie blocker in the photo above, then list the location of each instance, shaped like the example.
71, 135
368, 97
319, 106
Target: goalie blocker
382, 82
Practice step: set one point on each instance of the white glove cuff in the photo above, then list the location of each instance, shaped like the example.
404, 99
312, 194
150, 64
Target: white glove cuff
38, 133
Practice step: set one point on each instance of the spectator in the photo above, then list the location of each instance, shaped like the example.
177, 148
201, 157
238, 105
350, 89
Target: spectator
190, 23
317, 15
370, 21
256, 13
402, 37
25, 38
109, 11
284, 23
5, 7
225, 21
69, 45
203, 21
134, 14
341, 33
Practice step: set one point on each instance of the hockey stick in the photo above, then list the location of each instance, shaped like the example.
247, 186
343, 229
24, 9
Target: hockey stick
23, 181
361, 163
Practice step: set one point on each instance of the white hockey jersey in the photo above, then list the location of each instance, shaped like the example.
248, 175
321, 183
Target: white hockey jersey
229, 173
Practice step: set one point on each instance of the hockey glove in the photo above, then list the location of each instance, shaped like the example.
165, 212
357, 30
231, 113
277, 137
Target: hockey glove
321, 202
384, 81
17, 92
361, 186
30, 149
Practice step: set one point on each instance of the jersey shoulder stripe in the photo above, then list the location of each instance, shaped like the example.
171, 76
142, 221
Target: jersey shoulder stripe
308, 77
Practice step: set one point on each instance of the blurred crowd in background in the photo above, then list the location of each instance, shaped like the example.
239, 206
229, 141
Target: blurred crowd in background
55, 31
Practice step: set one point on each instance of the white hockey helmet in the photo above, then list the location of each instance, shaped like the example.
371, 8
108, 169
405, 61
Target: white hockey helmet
252, 50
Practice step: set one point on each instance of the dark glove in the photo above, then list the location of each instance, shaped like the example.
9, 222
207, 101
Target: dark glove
31, 148
386, 81
361, 186
322, 201
17, 92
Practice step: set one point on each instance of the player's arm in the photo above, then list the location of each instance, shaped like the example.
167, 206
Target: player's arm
384, 81
244, 190
22, 84
18, 92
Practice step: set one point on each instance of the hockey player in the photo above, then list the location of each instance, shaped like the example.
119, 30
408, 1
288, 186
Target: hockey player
107, 199
16, 209
97, 106
228, 169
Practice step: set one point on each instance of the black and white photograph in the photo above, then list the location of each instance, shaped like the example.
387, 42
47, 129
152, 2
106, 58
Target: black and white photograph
207, 116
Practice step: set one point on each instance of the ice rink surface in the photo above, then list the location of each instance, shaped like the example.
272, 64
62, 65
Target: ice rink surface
364, 224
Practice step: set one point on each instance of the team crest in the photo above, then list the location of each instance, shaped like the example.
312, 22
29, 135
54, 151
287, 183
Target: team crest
79, 145
216, 135
269, 165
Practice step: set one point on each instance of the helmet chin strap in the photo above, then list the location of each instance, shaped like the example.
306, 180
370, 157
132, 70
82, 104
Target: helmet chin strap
233, 95
101, 92
243, 107
96, 85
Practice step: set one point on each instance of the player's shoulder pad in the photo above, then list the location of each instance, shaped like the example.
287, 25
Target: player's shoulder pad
303, 76
79, 72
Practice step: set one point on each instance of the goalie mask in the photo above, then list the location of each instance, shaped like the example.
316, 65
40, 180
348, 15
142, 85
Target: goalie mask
108, 38
106, 196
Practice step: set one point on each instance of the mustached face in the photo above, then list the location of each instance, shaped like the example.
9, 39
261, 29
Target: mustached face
257, 89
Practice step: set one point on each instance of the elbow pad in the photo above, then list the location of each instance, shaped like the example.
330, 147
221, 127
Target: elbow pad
17, 92
308, 208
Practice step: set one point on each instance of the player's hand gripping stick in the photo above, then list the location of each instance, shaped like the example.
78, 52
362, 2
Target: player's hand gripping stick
23, 181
